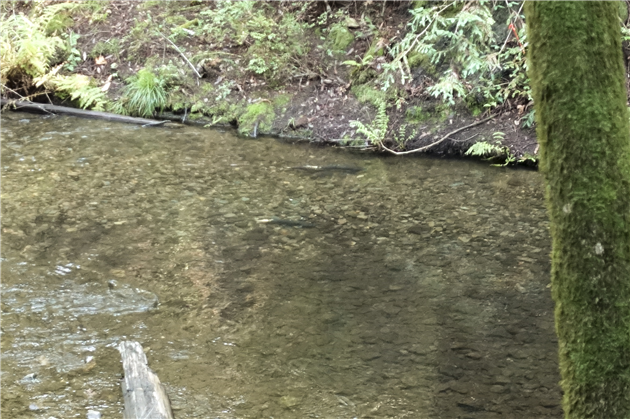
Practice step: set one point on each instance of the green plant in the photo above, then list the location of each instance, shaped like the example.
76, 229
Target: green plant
374, 133
530, 119
484, 149
496, 150
107, 47
273, 39
146, 93
26, 51
83, 89
461, 38
401, 137
73, 57
454, 42
31, 48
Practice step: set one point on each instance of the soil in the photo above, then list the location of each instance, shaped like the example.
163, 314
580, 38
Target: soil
321, 104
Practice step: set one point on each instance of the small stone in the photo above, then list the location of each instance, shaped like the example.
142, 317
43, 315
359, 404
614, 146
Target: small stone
93, 414
302, 121
289, 401
352, 23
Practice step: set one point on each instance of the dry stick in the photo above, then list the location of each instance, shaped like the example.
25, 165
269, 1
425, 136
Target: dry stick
398, 153
182, 54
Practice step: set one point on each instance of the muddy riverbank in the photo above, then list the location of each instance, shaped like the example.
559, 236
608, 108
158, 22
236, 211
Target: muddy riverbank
316, 71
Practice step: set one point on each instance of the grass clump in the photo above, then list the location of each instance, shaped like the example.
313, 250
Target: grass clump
145, 94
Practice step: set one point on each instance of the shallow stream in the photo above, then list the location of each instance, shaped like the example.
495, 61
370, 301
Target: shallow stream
260, 288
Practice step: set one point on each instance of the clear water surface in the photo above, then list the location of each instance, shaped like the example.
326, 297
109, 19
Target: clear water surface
414, 288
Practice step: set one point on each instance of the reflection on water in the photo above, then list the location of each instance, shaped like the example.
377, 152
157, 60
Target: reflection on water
412, 288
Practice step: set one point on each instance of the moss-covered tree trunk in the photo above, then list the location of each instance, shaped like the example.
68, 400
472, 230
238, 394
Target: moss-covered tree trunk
577, 76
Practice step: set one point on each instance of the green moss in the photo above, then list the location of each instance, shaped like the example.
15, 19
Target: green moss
578, 81
415, 115
420, 60
339, 38
623, 10
418, 4
433, 113
281, 101
366, 93
257, 117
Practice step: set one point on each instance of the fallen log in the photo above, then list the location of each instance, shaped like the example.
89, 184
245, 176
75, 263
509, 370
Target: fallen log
82, 113
145, 397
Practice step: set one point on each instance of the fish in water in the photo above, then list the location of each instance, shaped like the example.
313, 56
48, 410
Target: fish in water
283, 222
329, 169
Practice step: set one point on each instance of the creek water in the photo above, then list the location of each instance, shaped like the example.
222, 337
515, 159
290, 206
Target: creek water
413, 288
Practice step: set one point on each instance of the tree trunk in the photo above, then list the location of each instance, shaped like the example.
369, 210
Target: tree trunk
577, 77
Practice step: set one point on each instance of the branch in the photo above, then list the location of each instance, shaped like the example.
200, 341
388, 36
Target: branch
181, 53
399, 153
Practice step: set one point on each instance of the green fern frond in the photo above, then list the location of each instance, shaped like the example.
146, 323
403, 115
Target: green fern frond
25, 48
376, 130
484, 149
81, 88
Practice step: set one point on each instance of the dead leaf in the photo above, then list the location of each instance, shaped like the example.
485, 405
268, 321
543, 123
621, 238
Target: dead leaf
107, 84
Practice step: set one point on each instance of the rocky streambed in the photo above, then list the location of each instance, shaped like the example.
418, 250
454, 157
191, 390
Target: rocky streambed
414, 287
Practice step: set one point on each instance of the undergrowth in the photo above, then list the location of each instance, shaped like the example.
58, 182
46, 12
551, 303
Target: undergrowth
457, 39
35, 49
273, 37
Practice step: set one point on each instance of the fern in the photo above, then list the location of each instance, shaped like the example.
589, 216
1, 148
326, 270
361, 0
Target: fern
463, 38
484, 149
26, 50
376, 130
29, 46
81, 88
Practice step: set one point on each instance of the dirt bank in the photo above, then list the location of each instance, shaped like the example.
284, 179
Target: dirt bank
249, 76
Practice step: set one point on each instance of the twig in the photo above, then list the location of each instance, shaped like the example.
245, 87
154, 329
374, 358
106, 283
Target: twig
465, 139
399, 153
181, 53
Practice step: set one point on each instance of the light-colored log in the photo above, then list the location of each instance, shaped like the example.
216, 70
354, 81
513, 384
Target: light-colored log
145, 397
